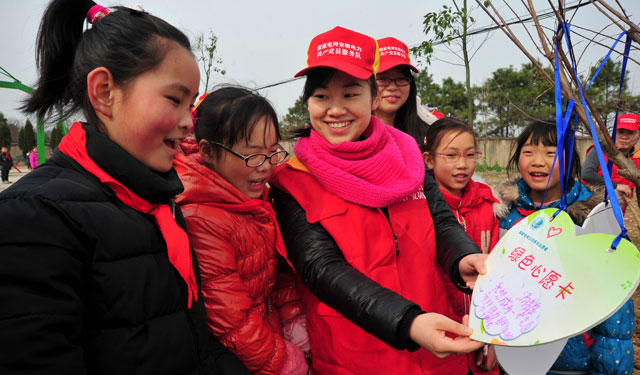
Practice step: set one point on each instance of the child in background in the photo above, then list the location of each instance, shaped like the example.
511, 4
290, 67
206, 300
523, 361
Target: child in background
232, 228
33, 158
399, 107
451, 153
96, 274
358, 231
606, 348
6, 162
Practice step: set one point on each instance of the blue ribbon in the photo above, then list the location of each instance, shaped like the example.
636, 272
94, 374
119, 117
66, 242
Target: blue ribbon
564, 150
627, 49
561, 126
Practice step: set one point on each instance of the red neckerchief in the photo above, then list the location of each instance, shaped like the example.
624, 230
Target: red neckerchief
74, 145
524, 212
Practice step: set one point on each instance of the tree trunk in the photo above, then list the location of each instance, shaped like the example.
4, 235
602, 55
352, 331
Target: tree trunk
467, 67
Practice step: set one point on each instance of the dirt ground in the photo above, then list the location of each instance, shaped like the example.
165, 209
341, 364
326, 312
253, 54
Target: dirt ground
631, 223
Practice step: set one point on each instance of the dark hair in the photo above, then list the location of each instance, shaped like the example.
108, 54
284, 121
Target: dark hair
127, 42
231, 113
442, 127
545, 132
319, 78
406, 118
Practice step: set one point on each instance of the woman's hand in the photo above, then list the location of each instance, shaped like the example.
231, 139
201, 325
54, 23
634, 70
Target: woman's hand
471, 266
429, 331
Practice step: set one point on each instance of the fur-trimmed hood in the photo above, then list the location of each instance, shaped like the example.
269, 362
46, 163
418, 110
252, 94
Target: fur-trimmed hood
500, 209
509, 193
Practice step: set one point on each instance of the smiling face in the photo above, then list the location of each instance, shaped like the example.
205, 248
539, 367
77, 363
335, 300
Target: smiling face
249, 180
452, 177
392, 97
153, 112
341, 111
535, 164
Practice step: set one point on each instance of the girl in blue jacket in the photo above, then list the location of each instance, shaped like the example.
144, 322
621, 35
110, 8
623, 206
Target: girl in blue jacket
606, 348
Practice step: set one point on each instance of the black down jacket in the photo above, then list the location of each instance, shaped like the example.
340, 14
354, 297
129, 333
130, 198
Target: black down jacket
86, 285
324, 270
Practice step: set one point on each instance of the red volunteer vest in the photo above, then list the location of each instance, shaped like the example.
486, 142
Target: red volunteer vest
365, 237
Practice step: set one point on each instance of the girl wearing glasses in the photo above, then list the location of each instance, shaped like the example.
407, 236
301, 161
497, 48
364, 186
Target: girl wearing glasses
232, 228
451, 153
358, 231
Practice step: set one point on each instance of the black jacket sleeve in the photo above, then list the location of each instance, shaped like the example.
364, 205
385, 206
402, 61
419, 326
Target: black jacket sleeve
452, 242
324, 270
41, 289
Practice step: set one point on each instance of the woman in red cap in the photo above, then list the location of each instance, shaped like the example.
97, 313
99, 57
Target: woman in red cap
357, 228
397, 91
627, 136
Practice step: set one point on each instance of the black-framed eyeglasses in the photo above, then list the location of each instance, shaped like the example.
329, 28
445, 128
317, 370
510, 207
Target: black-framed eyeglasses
400, 82
256, 160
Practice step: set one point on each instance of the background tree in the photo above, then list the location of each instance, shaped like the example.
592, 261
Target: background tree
27, 138
296, 117
14, 130
449, 98
452, 24
604, 90
5, 133
206, 48
513, 98
428, 90
453, 99
56, 135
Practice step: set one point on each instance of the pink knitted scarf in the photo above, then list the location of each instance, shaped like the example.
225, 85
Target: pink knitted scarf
378, 171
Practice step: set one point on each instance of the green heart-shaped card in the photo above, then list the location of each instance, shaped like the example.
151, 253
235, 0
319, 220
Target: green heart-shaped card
544, 284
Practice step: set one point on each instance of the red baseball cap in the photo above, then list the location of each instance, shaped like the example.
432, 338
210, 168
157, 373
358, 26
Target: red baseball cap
393, 53
343, 49
629, 121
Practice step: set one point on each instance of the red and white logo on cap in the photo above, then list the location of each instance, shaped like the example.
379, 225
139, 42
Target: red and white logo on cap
629, 121
345, 50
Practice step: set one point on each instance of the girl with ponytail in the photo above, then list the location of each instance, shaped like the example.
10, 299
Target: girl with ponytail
103, 280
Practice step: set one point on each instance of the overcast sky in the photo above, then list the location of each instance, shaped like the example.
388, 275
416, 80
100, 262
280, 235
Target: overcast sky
263, 42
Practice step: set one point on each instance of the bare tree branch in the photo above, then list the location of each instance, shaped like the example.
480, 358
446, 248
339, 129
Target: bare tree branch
524, 113
634, 30
622, 9
502, 25
448, 62
569, 79
619, 16
521, 21
543, 38
486, 38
